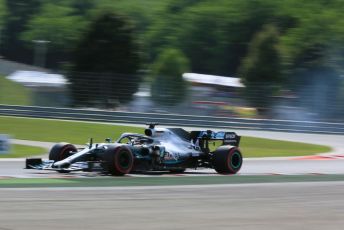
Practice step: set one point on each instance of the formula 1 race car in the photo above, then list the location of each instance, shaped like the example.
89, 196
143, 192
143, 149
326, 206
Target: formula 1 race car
160, 149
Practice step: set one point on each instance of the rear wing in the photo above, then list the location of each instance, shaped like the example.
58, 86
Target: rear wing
229, 138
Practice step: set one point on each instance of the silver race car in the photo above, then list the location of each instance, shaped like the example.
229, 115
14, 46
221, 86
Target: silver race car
159, 149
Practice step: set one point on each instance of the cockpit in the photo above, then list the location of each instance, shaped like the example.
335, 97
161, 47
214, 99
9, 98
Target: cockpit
134, 139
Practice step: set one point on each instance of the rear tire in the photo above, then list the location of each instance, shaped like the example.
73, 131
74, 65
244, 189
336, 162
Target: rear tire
61, 151
118, 160
227, 160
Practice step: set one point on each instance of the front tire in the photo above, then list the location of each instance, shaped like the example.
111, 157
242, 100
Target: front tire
119, 160
61, 151
227, 160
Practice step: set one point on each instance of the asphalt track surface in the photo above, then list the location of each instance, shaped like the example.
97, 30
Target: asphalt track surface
302, 206
259, 206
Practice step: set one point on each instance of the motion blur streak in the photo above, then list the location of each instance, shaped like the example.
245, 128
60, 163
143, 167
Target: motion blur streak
270, 206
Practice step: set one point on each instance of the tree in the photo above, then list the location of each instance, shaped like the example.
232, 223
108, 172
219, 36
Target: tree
106, 61
168, 86
214, 35
82, 7
57, 24
61, 24
261, 69
19, 12
313, 55
3, 12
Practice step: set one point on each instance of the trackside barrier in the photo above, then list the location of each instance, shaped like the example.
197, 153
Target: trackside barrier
172, 119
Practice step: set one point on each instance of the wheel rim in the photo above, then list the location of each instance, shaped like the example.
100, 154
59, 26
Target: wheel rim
236, 160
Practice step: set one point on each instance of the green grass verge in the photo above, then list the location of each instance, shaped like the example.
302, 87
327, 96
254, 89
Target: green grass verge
60, 131
259, 147
14, 93
80, 132
161, 181
18, 151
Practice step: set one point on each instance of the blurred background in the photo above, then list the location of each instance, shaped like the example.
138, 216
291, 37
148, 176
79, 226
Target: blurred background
228, 58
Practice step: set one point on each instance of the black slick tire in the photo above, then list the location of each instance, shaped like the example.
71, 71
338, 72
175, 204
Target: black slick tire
61, 151
118, 160
227, 160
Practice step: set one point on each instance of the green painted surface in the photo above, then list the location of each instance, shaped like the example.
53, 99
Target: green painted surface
163, 181
33, 182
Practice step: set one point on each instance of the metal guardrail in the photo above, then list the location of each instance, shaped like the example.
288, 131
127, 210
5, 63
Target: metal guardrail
172, 119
